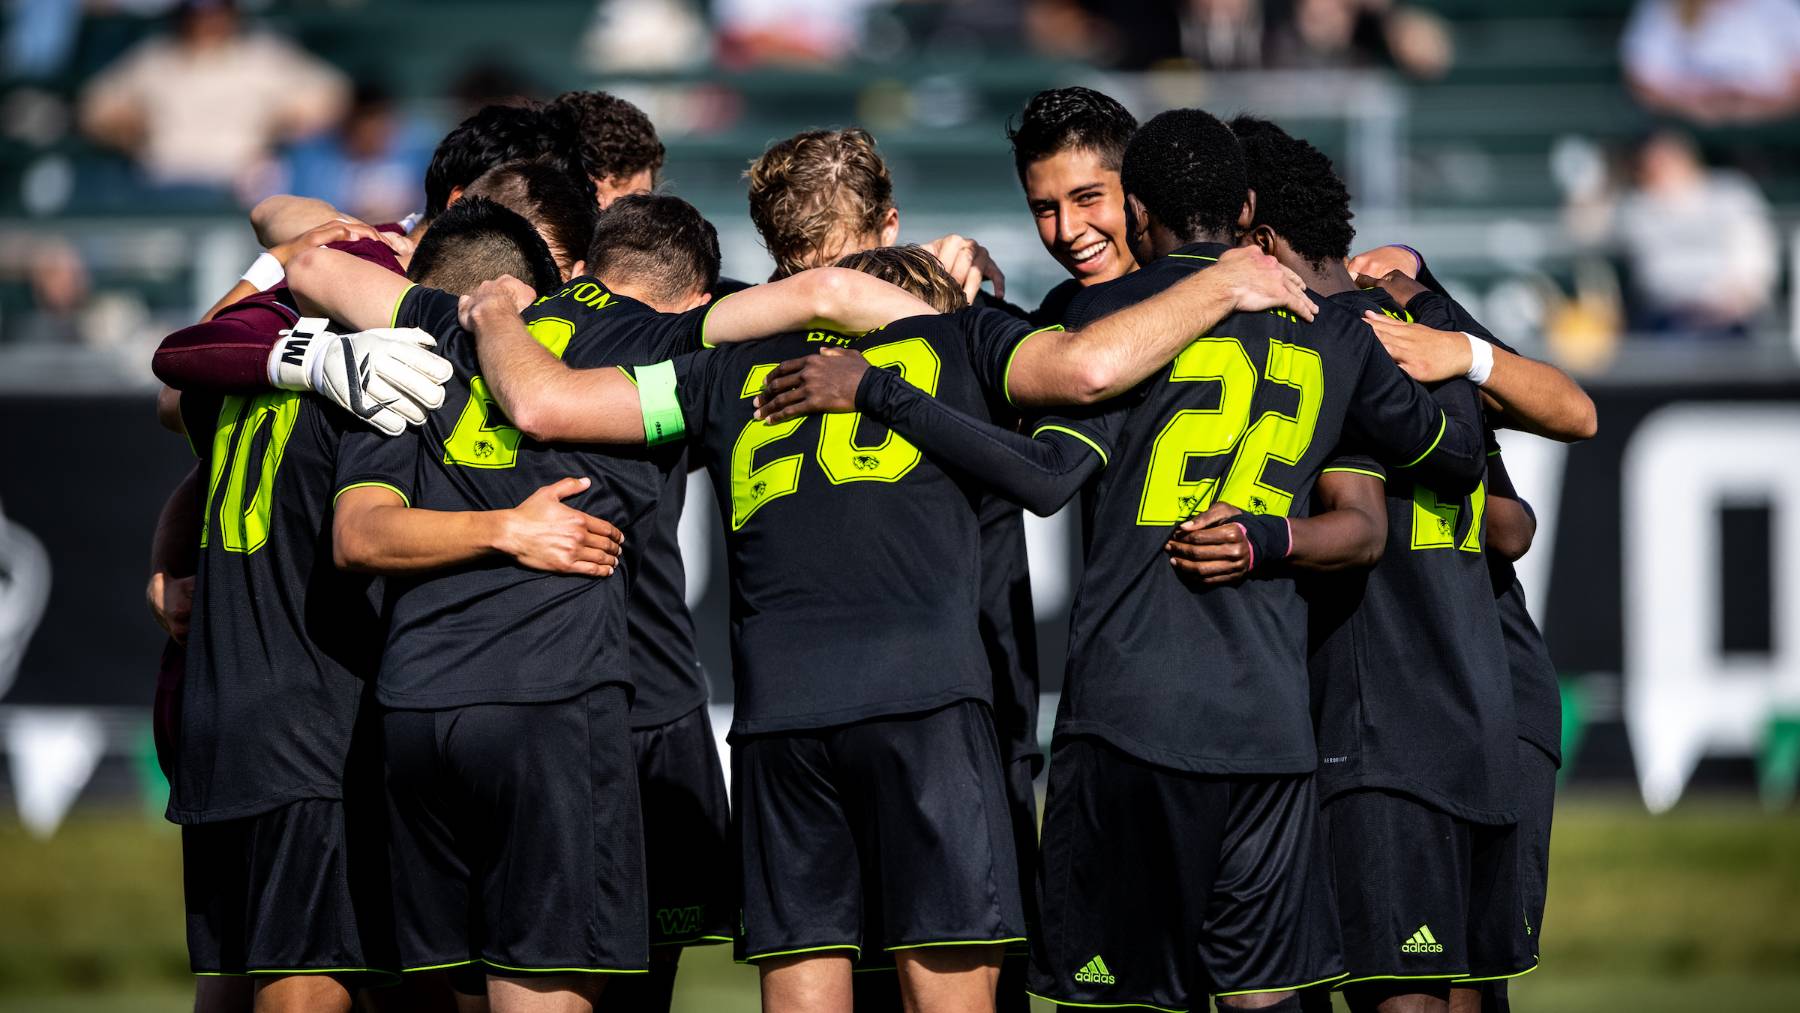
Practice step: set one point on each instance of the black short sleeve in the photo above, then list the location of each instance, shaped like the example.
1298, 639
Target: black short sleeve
366, 457
694, 377
992, 335
432, 310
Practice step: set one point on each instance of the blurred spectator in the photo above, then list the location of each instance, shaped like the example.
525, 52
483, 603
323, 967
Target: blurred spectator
207, 104
370, 165
1348, 33
1700, 244
1713, 61
645, 35
789, 32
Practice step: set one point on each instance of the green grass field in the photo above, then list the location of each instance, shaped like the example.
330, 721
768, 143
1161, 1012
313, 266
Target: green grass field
1699, 909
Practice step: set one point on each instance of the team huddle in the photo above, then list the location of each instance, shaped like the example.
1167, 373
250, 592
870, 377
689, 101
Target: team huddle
435, 725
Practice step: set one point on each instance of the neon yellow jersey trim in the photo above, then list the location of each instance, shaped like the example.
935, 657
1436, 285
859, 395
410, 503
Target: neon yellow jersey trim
955, 942
565, 970
1095, 447
1103, 1005
1006, 376
394, 317
707, 320
1193, 256
1355, 471
371, 485
1286, 988
1443, 422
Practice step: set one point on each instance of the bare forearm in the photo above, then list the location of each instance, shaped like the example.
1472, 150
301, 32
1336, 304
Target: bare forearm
833, 298
1510, 528
546, 399
1117, 352
285, 217
1540, 398
343, 287
1336, 540
399, 539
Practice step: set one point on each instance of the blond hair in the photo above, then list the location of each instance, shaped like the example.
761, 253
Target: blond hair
815, 194
912, 268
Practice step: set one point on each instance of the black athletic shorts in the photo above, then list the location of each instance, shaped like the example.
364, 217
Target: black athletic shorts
1423, 894
301, 889
691, 877
1159, 887
1537, 801
517, 836
883, 835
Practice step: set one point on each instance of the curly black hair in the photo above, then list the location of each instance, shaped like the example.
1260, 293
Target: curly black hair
661, 243
615, 138
494, 135
478, 240
1298, 193
1185, 166
1064, 119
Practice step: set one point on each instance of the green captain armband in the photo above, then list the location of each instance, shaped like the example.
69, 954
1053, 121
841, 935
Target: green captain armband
663, 422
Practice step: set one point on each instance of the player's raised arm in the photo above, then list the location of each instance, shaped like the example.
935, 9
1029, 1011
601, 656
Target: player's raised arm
834, 298
1115, 353
1039, 472
332, 283
1447, 341
542, 396
1226, 544
1437, 436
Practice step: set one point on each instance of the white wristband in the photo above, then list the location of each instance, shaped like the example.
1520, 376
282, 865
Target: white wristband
1481, 359
265, 273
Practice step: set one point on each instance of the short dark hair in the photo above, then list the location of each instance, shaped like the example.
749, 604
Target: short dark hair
1070, 119
548, 198
1298, 193
1185, 166
912, 268
662, 243
477, 240
613, 137
493, 136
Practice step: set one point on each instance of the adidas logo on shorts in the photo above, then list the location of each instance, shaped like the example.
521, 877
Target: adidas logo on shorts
1422, 941
1094, 972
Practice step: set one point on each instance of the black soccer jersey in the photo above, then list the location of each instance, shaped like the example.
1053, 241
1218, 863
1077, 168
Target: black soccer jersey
492, 631
854, 563
1214, 679
282, 643
1415, 695
665, 663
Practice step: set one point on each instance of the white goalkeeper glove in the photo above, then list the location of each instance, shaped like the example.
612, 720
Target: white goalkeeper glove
388, 377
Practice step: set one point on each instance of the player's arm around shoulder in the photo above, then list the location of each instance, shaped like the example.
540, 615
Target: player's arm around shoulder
832, 298
1225, 544
1117, 352
1511, 524
543, 396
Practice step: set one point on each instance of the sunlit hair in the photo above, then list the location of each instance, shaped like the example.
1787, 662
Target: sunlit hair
912, 268
816, 193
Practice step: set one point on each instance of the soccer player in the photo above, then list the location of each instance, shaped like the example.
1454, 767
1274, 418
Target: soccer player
1180, 829
1067, 149
585, 909
277, 779
616, 142
932, 883
1418, 768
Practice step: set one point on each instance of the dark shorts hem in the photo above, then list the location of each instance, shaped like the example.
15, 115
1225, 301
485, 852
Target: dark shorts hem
1500, 977
1331, 980
1103, 1005
705, 940
508, 970
360, 973
954, 942
1347, 982
855, 952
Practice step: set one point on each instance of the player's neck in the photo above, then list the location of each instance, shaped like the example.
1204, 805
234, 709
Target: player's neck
1329, 277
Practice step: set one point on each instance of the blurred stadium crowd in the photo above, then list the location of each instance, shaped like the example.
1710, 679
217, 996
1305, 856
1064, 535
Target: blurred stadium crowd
1591, 168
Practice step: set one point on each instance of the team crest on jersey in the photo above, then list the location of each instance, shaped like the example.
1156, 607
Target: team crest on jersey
867, 462
484, 448
757, 490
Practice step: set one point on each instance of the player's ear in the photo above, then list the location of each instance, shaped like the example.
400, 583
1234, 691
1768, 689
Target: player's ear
1263, 238
890, 227
456, 193
576, 270
1247, 214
